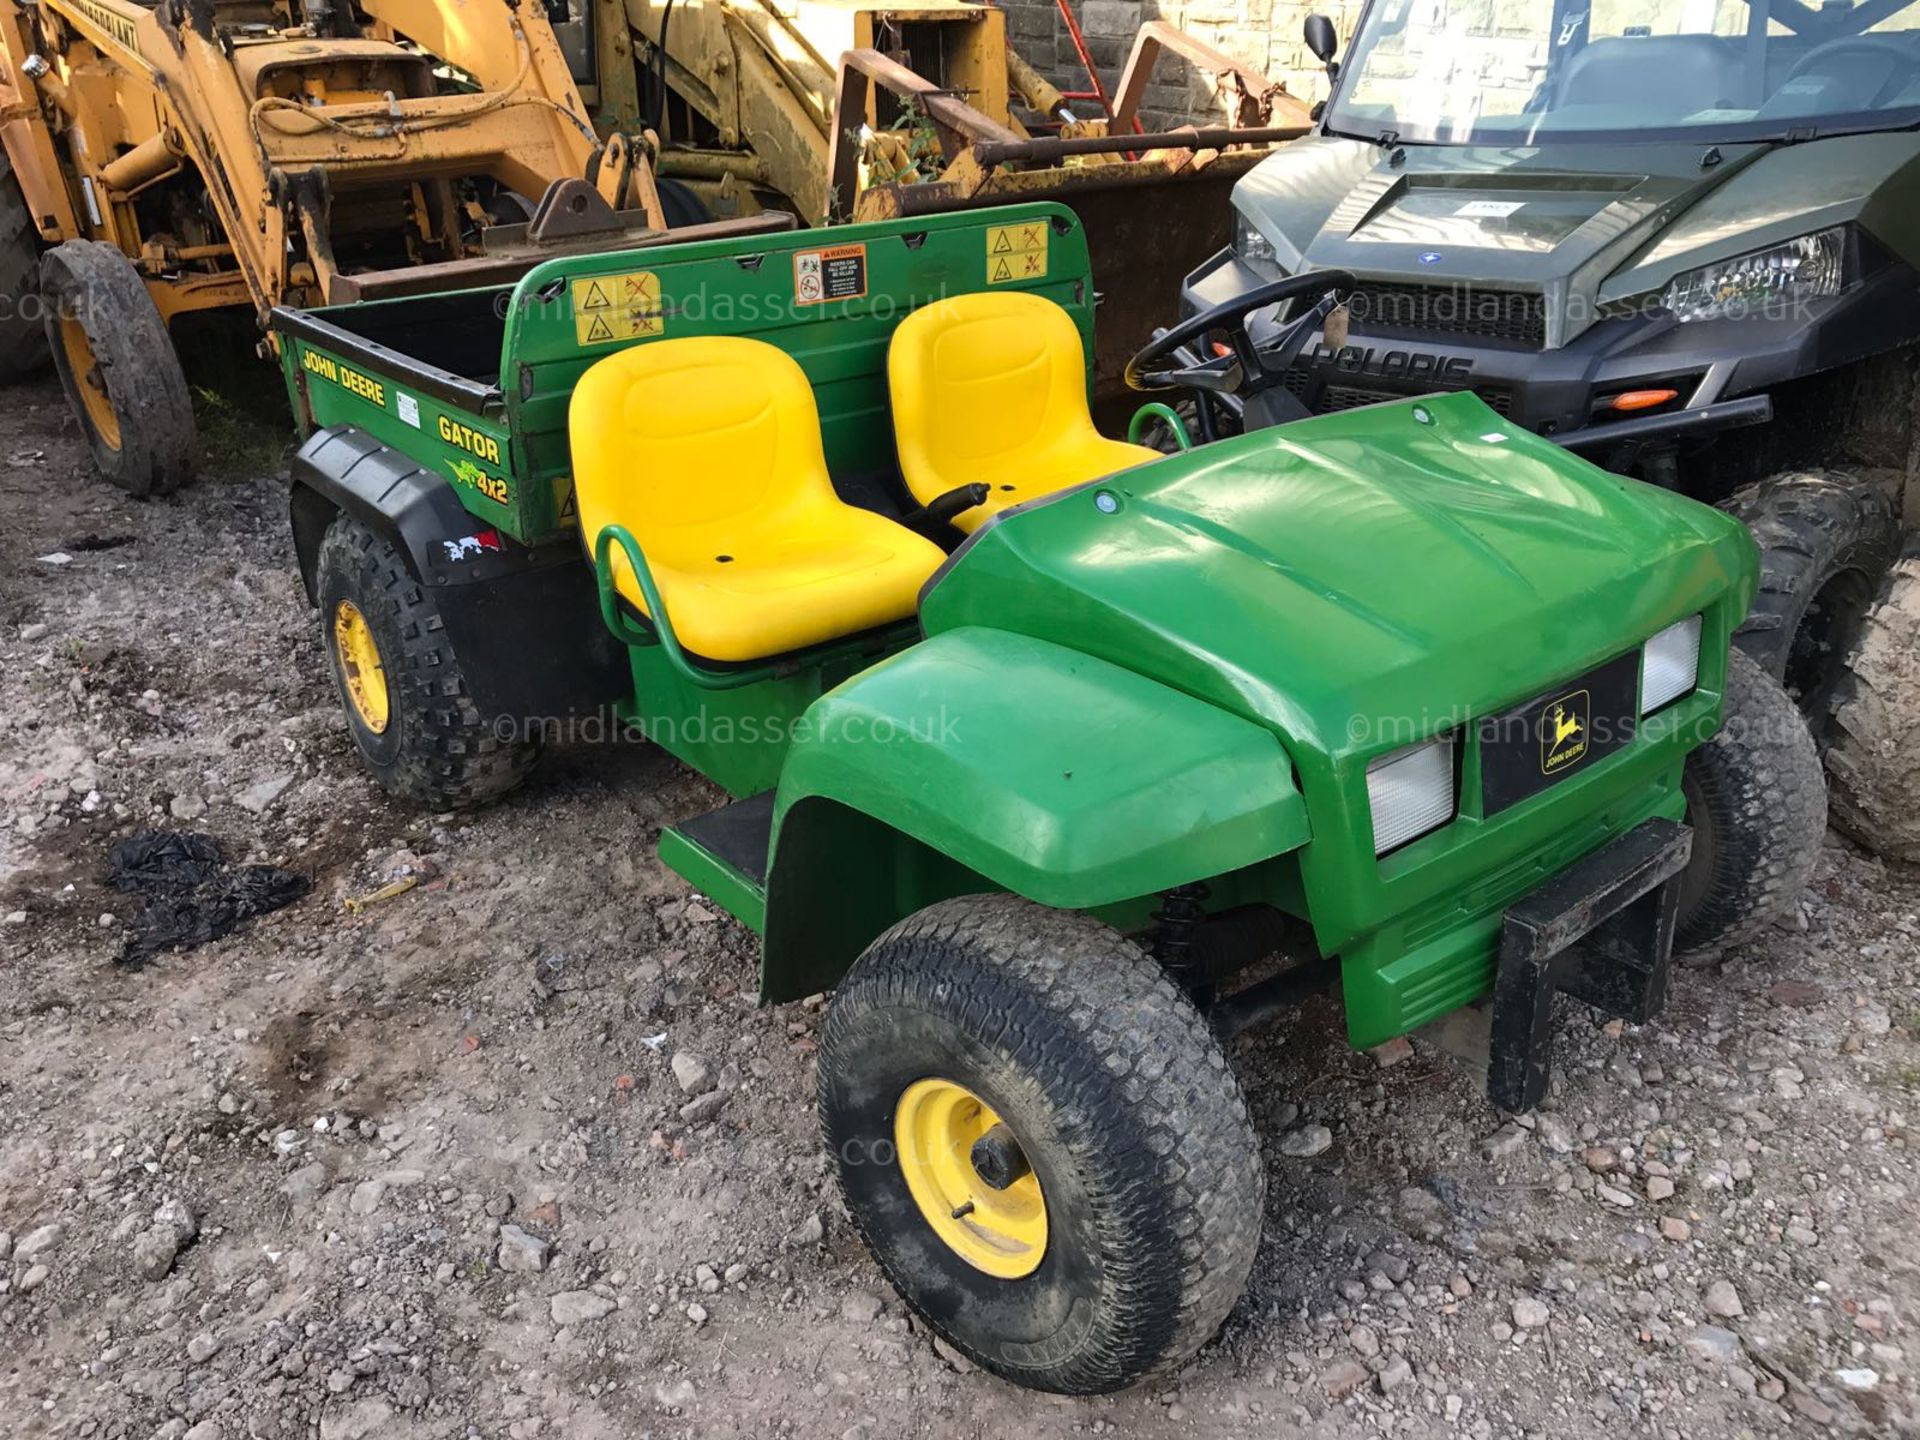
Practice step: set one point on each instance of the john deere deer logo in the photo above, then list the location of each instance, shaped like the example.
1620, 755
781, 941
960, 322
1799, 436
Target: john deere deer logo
1563, 732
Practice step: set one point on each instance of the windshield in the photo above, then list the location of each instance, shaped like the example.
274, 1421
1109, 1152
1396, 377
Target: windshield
1479, 72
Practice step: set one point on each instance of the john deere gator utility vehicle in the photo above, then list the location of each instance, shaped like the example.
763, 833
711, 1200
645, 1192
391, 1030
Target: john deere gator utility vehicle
1057, 759
193, 155
1682, 239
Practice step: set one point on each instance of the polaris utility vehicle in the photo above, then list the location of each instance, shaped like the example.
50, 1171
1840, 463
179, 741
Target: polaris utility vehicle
1058, 759
1682, 239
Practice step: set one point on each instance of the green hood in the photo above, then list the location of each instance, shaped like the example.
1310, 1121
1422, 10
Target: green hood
1355, 581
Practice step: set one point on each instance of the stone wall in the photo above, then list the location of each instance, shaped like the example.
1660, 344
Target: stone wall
1265, 34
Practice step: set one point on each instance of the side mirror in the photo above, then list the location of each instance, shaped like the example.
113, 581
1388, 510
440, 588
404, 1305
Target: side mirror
1321, 39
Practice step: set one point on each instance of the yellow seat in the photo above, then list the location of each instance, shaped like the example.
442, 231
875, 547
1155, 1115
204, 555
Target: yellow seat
992, 388
707, 450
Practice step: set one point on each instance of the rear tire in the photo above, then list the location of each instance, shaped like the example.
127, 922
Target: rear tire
23, 338
1826, 540
118, 366
408, 705
1873, 761
1758, 810
1115, 1094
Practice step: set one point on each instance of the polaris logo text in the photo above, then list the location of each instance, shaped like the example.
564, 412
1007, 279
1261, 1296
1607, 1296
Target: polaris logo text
1394, 364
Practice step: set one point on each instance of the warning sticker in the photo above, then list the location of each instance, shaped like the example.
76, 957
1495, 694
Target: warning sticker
838, 272
1016, 252
616, 307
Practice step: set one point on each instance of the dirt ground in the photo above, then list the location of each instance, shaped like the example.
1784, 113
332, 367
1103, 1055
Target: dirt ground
425, 1168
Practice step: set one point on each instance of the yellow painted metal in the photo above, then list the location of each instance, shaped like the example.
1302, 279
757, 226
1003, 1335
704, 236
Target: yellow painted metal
298, 144
89, 382
1001, 1232
360, 667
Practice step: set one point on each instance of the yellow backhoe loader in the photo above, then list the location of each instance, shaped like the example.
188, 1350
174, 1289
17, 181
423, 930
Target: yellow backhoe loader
842, 110
193, 154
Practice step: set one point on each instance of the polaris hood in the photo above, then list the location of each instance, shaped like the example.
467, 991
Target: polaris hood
1583, 224
1399, 567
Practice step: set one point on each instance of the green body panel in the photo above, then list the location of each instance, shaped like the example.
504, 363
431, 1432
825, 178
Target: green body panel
1362, 581
739, 895
473, 451
737, 737
1050, 773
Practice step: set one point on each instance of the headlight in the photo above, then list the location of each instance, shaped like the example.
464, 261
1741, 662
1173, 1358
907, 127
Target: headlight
1670, 665
1254, 249
1765, 283
1410, 792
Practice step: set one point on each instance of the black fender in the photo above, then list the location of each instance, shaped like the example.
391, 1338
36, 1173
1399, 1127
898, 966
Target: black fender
524, 620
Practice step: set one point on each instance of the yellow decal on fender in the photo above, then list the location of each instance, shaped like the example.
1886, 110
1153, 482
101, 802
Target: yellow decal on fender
1016, 252
616, 307
345, 376
492, 486
470, 440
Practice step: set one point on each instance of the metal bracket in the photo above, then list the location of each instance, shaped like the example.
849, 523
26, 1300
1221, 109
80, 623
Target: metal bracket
1601, 930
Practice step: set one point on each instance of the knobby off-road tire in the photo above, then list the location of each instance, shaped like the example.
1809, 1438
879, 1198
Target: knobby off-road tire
1873, 760
1826, 540
118, 366
1758, 809
408, 705
23, 338
1119, 1098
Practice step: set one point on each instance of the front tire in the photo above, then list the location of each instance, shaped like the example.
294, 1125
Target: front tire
118, 367
408, 705
1758, 808
989, 1021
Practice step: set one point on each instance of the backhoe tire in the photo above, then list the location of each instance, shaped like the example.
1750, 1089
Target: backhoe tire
1758, 808
408, 705
1119, 1125
1873, 760
1826, 540
23, 338
119, 368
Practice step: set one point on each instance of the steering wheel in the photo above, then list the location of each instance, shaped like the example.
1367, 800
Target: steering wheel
1246, 369
1851, 47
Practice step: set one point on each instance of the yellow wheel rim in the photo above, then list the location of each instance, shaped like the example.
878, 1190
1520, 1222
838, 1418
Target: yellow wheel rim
360, 664
936, 1126
88, 381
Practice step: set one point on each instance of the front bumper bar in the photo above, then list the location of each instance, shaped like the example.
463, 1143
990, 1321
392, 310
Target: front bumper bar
1602, 931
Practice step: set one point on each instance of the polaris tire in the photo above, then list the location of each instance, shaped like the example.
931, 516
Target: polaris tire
1826, 541
1873, 760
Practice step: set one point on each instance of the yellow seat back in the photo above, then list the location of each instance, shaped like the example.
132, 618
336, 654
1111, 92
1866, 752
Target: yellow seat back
992, 387
675, 437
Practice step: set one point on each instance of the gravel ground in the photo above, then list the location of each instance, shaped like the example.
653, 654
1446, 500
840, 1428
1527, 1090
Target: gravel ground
513, 1153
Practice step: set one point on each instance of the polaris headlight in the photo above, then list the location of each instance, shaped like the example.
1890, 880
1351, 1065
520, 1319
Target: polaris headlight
1670, 665
1767, 284
1253, 249
1410, 792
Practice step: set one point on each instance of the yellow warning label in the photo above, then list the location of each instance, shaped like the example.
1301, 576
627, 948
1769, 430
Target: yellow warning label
617, 307
1016, 252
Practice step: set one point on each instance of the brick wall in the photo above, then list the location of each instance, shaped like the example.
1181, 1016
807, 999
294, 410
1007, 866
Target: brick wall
1262, 33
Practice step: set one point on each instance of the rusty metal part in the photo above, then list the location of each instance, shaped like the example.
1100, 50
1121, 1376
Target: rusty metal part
510, 265
1036, 92
1251, 98
1047, 149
